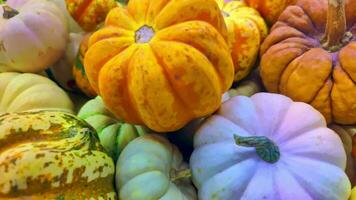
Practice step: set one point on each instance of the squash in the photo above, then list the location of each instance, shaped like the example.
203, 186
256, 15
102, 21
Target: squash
33, 35
25, 92
150, 168
161, 63
299, 60
78, 69
270, 9
89, 13
247, 30
114, 134
346, 134
52, 155
268, 147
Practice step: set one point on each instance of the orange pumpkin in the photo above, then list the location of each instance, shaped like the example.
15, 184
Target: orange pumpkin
270, 9
161, 63
79, 74
247, 30
89, 13
310, 57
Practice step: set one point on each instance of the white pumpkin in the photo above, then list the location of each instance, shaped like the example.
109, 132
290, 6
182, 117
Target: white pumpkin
29, 92
61, 71
33, 35
150, 168
268, 147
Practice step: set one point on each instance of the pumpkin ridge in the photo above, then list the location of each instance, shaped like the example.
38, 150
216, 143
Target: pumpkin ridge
136, 115
170, 83
347, 73
196, 45
309, 190
285, 69
256, 168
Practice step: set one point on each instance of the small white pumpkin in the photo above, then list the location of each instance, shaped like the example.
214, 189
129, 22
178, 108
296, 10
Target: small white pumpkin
28, 92
33, 35
151, 168
296, 157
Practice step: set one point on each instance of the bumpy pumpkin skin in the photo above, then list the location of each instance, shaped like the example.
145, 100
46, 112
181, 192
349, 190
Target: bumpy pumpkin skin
161, 63
90, 13
247, 30
147, 170
52, 155
28, 92
270, 9
114, 134
33, 39
311, 163
79, 74
294, 64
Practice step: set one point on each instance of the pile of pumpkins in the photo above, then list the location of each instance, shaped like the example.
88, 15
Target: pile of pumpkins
178, 99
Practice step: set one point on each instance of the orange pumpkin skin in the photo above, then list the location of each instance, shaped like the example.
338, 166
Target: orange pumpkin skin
89, 13
295, 64
270, 9
247, 30
79, 73
161, 63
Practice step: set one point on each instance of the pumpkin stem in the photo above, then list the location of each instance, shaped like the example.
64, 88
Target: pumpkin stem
266, 149
9, 12
180, 174
336, 35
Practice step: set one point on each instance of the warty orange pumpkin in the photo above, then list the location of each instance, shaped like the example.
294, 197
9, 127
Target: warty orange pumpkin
310, 57
161, 63
247, 30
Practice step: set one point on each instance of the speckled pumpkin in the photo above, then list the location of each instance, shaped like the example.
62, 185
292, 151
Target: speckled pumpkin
311, 57
247, 30
52, 155
114, 134
78, 69
90, 13
161, 63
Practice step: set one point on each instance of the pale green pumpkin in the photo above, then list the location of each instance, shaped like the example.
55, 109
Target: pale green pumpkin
114, 134
151, 168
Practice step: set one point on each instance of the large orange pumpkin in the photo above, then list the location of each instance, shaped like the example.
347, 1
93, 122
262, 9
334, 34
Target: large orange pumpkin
310, 57
161, 63
270, 9
247, 30
89, 13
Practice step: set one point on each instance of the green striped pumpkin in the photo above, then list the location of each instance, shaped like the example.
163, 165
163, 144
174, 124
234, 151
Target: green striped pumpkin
52, 155
114, 134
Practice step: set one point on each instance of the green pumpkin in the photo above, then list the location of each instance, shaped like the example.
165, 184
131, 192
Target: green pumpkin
114, 134
151, 168
52, 155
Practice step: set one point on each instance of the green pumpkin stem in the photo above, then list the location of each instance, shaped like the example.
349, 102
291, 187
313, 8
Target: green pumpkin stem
9, 12
177, 175
266, 149
335, 34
